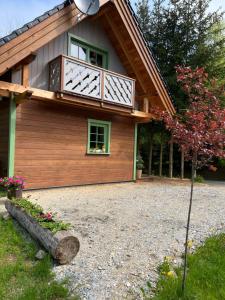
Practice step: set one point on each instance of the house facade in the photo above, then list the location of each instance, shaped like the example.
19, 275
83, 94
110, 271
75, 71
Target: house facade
73, 89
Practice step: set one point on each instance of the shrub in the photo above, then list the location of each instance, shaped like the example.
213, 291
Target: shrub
199, 179
139, 163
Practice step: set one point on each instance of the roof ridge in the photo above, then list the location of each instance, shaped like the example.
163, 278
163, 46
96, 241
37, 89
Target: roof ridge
15, 33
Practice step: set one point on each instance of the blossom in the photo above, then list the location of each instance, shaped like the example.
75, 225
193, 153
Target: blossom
12, 183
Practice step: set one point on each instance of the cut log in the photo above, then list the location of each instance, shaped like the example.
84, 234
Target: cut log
63, 245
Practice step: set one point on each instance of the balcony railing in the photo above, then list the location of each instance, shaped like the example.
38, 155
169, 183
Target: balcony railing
74, 76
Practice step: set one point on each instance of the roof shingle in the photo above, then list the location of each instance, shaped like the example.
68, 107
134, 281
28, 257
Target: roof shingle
36, 21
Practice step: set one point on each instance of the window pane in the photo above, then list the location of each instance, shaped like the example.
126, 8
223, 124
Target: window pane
101, 138
93, 129
100, 60
74, 50
82, 53
93, 58
92, 145
100, 130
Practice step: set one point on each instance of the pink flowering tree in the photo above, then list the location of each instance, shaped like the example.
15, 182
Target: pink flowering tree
199, 130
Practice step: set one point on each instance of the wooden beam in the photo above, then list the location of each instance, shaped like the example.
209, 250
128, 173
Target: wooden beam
130, 59
25, 75
42, 95
4, 93
141, 114
146, 105
26, 61
21, 98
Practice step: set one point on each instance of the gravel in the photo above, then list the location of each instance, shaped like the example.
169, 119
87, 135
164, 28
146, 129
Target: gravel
126, 230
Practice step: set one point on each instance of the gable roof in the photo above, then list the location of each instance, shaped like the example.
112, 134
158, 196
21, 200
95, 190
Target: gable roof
35, 34
34, 22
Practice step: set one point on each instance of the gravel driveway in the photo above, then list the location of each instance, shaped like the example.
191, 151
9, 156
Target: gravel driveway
125, 231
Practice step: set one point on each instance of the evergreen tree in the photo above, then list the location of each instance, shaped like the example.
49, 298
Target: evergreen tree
183, 32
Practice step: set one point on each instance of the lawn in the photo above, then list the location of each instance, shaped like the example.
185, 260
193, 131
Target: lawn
21, 276
206, 275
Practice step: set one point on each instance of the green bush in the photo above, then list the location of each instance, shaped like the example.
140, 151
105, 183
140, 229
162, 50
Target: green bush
199, 179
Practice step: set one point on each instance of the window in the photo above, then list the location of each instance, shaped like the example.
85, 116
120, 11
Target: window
86, 52
98, 137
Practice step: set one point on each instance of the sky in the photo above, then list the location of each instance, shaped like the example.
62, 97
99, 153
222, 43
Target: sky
15, 13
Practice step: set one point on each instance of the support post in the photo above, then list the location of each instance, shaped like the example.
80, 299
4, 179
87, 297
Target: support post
135, 150
146, 105
150, 154
171, 160
25, 75
182, 164
12, 135
160, 159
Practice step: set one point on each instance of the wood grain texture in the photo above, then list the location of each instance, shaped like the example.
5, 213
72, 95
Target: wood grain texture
51, 145
4, 136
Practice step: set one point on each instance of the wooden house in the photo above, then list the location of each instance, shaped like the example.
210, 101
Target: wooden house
73, 89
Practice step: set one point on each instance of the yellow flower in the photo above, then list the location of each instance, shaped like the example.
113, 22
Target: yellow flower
171, 274
190, 244
168, 258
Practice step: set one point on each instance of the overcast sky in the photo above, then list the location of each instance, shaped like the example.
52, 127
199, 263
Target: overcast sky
14, 13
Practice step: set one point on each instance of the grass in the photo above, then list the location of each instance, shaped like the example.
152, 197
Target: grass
21, 276
206, 275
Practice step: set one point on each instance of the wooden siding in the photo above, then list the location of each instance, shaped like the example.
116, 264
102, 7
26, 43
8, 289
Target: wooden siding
4, 136
51, 145
92, 31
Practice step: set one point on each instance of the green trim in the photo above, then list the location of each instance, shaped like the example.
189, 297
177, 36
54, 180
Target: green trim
135, 151
12, 136
88, 46
107, 135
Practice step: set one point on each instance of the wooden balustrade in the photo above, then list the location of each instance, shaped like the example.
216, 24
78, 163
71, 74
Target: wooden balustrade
74, 76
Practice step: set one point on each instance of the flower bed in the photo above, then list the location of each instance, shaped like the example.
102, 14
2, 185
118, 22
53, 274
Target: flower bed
46, 220
43, 227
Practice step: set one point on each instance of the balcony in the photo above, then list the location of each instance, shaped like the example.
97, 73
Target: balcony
73, 76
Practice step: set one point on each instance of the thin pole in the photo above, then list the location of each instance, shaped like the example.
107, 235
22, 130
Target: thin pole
188, 225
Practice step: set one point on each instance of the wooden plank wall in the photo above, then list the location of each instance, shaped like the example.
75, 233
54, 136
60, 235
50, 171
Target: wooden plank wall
51, 146
4, 136
92, 31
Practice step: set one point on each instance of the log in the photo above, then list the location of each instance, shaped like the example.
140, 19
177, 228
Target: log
63, 245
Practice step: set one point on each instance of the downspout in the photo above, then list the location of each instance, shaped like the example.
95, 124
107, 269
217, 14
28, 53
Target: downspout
12, 135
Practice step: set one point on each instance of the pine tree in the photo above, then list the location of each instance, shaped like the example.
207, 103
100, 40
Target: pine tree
183, 32
143, 14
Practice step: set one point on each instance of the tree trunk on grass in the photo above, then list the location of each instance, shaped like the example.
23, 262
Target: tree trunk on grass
193, 169
63, 246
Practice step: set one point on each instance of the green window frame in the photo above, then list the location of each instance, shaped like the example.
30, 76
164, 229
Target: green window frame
84, 48
99, 134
